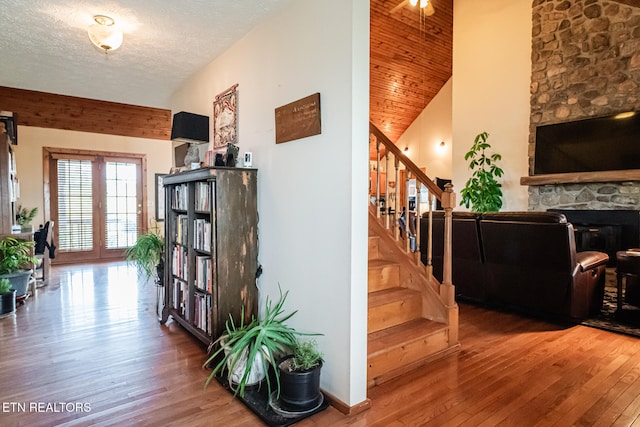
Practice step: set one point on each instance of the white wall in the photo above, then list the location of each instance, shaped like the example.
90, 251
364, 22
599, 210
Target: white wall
424, 135
491, 78
29, 165
311, 192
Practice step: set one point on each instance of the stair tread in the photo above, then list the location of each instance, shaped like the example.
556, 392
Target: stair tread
379, 262
390, 295
398, 335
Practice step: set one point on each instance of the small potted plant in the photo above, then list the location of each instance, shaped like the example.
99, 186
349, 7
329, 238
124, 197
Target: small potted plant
300, 377
7, 298
261, 342
147, 253
24, 216
16, 262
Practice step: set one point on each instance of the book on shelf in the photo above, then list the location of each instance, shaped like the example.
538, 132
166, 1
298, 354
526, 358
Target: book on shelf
203, 196
180, 197
179, 259
203, 273
202, 235
202, 312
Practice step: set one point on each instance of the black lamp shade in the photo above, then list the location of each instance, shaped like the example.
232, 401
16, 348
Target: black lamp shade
189, 127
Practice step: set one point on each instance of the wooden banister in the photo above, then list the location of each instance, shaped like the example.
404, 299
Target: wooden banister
408, 164
446, 197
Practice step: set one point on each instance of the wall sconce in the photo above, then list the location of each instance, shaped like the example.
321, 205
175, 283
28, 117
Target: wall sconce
406, 149
104, 35
441, 146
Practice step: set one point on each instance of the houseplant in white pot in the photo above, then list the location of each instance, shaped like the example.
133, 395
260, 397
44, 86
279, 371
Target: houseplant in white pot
16, 262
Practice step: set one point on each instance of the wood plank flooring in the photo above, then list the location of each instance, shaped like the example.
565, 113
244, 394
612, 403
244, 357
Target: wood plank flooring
88, 351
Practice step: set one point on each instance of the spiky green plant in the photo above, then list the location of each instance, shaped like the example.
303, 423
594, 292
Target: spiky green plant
146, 253
267, 339
5, 286
482, 192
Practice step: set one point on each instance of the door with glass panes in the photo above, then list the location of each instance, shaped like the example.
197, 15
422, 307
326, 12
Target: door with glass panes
96, 203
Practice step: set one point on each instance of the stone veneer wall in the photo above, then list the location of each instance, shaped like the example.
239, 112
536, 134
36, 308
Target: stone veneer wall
585, 63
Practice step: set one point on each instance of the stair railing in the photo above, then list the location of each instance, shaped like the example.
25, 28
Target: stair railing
446, 198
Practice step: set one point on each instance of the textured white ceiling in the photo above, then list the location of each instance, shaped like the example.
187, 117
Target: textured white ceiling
44, 45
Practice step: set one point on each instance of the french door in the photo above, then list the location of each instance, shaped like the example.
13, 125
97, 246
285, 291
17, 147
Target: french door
97, 203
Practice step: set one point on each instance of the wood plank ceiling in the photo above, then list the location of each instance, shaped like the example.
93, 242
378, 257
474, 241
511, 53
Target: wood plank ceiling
410, 61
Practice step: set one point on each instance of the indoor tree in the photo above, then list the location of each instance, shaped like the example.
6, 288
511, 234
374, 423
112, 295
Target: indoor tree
482, 192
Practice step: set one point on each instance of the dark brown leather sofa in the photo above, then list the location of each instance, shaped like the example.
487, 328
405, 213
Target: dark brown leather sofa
527, 262
468, 272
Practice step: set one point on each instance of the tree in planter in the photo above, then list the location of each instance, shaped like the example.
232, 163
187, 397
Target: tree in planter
482, 192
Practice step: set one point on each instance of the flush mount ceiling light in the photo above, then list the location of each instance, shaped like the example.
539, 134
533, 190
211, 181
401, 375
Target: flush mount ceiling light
104, 34
424, 4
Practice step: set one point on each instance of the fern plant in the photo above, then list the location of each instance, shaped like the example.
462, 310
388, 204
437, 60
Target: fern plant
482, 192
147, 252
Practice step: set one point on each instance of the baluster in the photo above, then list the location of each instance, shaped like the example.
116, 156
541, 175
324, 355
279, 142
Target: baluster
386, 186
417, 228
406, 211
447, 292
377, 178
430, 237
396, 215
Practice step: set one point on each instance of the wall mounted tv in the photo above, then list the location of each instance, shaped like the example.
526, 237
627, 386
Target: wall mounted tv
589, 145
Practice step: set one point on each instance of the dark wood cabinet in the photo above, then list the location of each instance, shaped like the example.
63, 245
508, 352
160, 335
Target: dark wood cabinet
211, 238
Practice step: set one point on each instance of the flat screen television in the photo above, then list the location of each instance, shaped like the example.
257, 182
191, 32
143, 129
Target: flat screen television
589, 145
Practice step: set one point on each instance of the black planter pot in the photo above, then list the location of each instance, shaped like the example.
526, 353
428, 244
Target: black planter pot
7, 303
299, 391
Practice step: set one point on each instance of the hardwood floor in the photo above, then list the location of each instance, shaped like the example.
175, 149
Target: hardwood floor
89, 351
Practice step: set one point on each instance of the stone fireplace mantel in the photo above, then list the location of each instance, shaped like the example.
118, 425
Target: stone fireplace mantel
582, 177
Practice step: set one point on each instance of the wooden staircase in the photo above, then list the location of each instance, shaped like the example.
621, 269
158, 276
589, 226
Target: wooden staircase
408, 322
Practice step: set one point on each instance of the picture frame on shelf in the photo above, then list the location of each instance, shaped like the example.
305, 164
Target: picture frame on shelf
225, 118
160, 196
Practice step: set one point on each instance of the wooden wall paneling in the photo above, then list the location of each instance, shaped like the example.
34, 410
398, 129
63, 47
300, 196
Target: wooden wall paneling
410, 61
48, 110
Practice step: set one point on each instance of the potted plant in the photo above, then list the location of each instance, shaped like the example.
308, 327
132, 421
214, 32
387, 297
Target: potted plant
482, 192
261, 342
300, 377
15, 263
7, 298
24, 217
147, 253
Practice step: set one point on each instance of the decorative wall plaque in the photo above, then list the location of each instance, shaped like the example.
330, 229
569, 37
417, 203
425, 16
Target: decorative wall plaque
298, 119
225, 118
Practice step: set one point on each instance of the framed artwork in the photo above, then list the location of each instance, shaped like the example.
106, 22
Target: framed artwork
225, 118
159, 197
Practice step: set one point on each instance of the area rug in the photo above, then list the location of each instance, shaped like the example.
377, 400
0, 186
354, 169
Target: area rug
627, 322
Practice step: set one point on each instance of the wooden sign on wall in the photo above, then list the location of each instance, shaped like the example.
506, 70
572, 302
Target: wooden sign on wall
298, 119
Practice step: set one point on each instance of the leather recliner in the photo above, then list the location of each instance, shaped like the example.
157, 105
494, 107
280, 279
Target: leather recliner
524, 260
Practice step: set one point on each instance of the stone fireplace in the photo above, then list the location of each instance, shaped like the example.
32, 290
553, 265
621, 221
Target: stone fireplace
585, 63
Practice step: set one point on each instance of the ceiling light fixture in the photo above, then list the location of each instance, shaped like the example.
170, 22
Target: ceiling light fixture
104, 34
424, 4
